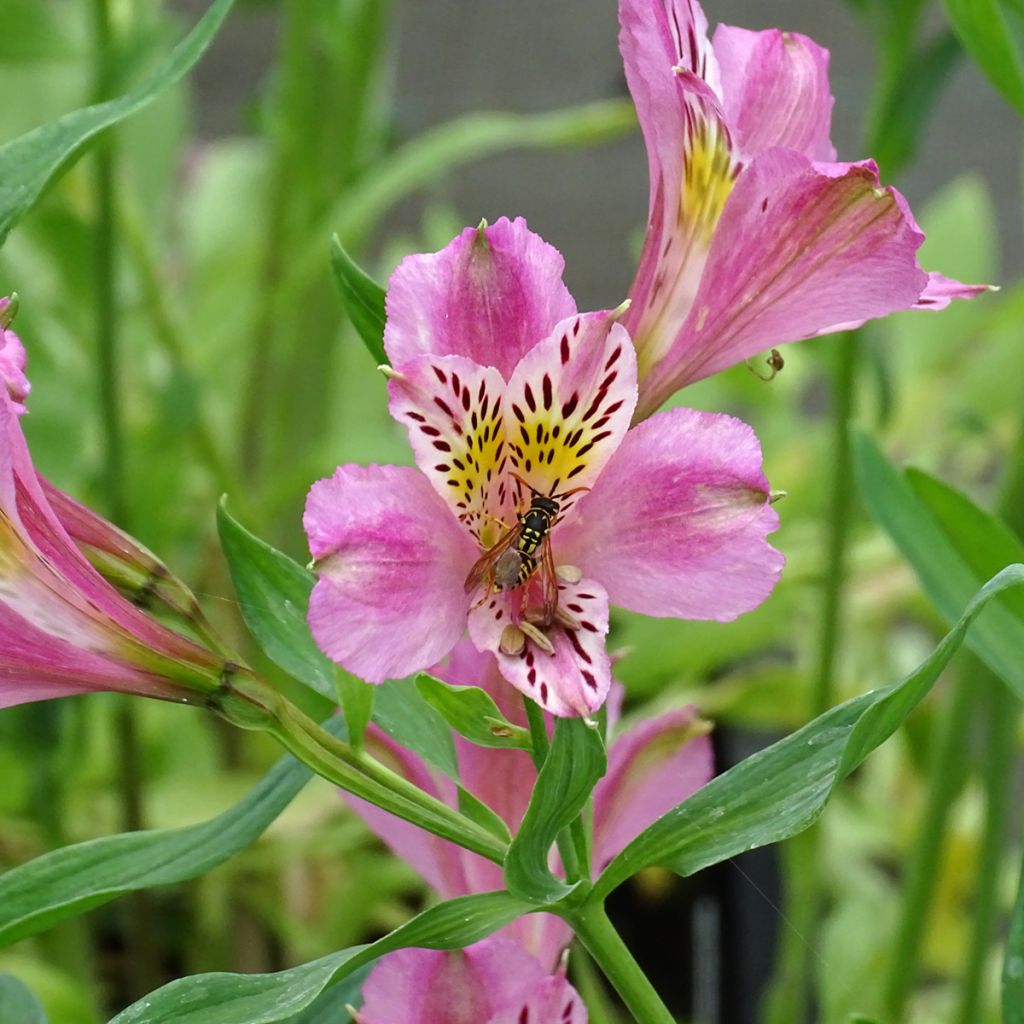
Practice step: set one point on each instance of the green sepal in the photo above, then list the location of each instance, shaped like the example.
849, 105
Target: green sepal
362, 298
472, 713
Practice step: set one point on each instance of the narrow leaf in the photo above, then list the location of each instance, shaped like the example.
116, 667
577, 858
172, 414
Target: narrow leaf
574, 763
1013, 962
273, 594
72, 880
356, 702
984, 28
472, 713
408, 719
275, 998
781, 790
476, 810
950, 567
17, 1004
362, 298
30, 162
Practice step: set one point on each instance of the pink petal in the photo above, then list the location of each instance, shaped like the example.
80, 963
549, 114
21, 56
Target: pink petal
569, 403
801, 248
468, 986
674, 80
651, 768
551, 1001
391, 562
575, 679
452, 409
676, 524
775, 91
442, 864
940, 291
12, 365
489, 296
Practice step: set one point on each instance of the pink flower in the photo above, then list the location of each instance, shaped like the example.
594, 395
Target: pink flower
491, 982
651, 767
500, 383
12, 357
63, 628
755, 236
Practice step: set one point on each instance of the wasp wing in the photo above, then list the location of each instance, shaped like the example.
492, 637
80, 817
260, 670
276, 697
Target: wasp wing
484, 565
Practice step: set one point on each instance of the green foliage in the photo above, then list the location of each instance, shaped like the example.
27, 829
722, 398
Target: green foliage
781, 790
76, 878
28, 164
574, 763
472, 713
275, 998
1013, 962
362, 298
991, 33
17, 1004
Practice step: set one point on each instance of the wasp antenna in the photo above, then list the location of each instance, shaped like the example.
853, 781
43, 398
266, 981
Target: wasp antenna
575, 490
528, 486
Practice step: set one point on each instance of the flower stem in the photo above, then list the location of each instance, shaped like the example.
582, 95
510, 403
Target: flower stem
362, 776
945, 776
610, 953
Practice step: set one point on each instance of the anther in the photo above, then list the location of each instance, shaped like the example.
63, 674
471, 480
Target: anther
513, 640
390, 372
533, 633
774, 496
566, 619
569, 573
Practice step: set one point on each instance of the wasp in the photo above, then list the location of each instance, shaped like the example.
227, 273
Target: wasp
521, 550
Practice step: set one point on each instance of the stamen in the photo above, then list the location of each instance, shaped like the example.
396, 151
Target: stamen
566, 619
390, 372
513, 640
774, 496
569, 573
534, 634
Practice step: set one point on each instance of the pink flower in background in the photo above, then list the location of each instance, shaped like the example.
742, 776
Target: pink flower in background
63, 629
500, 383
755, 236
491, 982
652, 767
12, 358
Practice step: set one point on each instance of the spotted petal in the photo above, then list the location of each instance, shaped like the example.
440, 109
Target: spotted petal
391, 563
576, 677
569, 403
676, 524
452, 408
490, 295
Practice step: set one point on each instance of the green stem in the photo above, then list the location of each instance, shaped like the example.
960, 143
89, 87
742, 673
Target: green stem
998, 779
945, 776
567, 841
368, 779
610, 953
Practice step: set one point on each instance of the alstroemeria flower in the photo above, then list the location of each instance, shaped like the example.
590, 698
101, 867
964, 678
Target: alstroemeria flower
652, 766
755, 236
63, 629
491, 982
12, 358
500, 383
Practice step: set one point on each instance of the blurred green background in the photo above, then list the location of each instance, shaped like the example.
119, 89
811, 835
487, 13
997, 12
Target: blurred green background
238, 374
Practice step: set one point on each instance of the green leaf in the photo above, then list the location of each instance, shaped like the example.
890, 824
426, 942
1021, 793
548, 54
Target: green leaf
574, 763
472, 713
362, 298
781, 790
30, 162
275, 998
987, 29
899, 121
356, 702
476, 810
951, 567
17, 1004
72, 880
273, 594
400, 710
1013, 962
